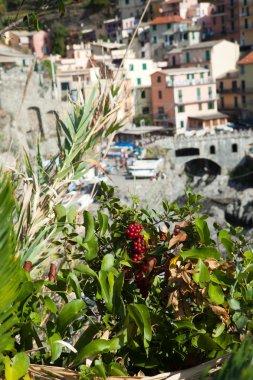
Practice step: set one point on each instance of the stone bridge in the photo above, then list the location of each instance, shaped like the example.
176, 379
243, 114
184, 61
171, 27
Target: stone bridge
226, 150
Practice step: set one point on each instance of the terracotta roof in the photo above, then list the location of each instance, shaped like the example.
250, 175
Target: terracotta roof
247, 60
168, 20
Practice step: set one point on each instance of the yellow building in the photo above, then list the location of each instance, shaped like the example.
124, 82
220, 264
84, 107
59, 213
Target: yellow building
229, 90
246, 22
246, 83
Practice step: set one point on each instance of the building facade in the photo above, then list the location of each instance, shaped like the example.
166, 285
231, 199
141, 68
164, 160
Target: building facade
246, 83
218, 57
185, 99
223, 21
229, 90
246, 23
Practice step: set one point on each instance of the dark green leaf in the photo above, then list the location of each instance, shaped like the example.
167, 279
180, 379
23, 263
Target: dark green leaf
68, 314
200, 253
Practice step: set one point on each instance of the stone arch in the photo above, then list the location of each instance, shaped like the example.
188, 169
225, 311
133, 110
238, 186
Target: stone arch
35, 120
200, 166
234, 148
212, 149
183, 152
52, 121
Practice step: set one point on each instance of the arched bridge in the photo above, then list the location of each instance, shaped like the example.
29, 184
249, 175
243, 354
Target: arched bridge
225, 150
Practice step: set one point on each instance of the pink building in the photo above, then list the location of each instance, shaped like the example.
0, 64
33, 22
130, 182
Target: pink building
38, 43
177, 7
185, 99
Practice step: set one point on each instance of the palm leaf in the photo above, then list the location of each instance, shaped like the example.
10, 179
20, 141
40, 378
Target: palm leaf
11, 272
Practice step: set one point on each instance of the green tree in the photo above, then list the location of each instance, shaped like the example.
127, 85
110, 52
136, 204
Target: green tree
59, 34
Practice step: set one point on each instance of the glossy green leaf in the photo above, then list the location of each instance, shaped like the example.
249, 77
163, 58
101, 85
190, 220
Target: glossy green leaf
103, 223
98, 347
18, 367
201, 253
75, 284
234, 304
68, 314
99, 369
50, 305
201, 275
115, 369
89, 226
85, 269
56, 348
107, 262
71, 215
203, 230
140, 315
218, 330
216, 294
92, 248
187, 324
60, 212
226, 241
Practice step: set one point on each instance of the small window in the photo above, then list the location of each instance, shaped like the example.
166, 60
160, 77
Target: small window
160, 94
159, 79
131, 67
223, 20
143, 94
244, 99
212, 149
181, 124
235, 102
207, 55
221, 86
210, 92
234, 148
126, 2
139, 81
193, 35
201, 75
242, 69
145, 110
168, 26
172, 78
222, 102
154, 27
187, 57
144, 66
160, 110
198, 94
154, 40
180, 109
65, 86
211, 105
143, 54
200, 106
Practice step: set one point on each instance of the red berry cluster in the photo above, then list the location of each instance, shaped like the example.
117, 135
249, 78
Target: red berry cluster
133, 231
139, 256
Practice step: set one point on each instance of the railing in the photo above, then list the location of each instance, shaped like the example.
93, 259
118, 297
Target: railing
229, 90
189, 82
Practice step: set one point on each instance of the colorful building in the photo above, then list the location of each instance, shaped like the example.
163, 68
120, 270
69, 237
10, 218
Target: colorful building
138, 72
185, 99
229, 90
223, 21
246, 23
246, 81
218, 57
158, 27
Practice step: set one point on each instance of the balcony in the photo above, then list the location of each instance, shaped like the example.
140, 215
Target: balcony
189, 82
236, 90
199, 100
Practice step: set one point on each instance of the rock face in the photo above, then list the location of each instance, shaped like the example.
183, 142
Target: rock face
27, 112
